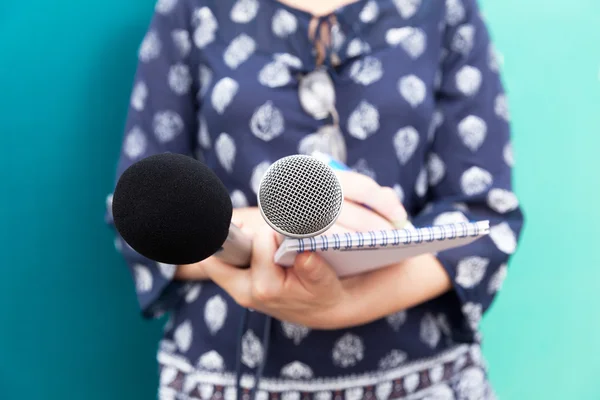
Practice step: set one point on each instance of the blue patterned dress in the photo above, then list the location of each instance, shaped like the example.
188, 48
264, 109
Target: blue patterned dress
422, 109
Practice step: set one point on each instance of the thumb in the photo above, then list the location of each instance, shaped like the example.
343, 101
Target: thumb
313, 270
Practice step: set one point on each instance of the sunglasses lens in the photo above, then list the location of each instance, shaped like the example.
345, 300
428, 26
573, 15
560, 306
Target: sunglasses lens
317, 94
328, 139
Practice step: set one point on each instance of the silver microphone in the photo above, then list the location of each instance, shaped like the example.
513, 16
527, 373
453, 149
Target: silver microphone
300, 196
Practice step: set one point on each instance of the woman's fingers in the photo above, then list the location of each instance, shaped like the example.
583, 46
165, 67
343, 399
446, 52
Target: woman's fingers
356, 217
361, 189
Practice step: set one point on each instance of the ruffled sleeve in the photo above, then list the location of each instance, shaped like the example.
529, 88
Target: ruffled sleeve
161, 118
470, 162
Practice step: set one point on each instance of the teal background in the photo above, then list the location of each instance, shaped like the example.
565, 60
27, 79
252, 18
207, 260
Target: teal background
69, 325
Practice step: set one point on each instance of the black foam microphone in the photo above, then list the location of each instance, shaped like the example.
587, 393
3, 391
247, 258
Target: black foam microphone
173, 209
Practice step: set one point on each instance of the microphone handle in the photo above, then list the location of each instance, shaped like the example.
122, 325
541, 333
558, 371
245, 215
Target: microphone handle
237, 248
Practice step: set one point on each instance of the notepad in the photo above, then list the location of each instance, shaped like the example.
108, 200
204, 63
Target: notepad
355, 253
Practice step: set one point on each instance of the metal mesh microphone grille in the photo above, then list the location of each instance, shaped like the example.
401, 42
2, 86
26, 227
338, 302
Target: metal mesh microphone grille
300, 196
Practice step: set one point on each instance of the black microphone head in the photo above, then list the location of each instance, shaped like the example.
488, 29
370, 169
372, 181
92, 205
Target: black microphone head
172, 209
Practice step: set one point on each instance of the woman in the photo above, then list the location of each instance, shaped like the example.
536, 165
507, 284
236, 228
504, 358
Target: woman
407, 93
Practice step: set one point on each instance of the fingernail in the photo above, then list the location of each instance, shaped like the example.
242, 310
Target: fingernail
400, 218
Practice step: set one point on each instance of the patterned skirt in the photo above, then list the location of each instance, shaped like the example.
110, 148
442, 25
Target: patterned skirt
457, 374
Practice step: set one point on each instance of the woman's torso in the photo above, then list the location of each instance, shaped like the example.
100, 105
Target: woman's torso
248, 56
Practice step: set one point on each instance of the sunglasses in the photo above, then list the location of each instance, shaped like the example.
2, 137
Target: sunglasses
317, 97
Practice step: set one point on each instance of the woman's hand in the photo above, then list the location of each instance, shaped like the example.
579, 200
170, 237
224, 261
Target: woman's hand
383, 211
383, 208
309, 293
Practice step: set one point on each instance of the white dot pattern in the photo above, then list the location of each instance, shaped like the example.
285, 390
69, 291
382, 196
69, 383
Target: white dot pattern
220, 82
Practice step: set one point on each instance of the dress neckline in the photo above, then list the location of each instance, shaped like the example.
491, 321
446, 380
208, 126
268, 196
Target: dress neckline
309, 15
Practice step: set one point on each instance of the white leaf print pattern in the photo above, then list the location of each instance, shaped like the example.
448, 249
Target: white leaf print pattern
357, 47
355, 393
508, 155
411, 382
436, 170
252, 351
294, 332
135, 143
463, 39
406, 141
395, 36
383, 390
455, 12
215, 312
323, 395
206, 391
471, 384
239, 50
436, 121
493, 58
412, 89
181, 40
421, 183
179, 79
193, 293
363, 121
504, 238
288, 59
139, 95
497, 280
206, 27
230, 393
441, 392
257, 174
211, 361
166, 270
412, 40
274, 74
225, 149
150, 47
296, 370
167, 125
472, 131
369, 12
475, 180
392, 360
203, 135
165, 6
348, 351
290, 395
183, 336
284, 23
501, 107
436, 373
244, 11
262, 395
238, 199
502, 201
471, 270
472, 312
143, 278
366, 71
167, 375
267, 122
223, 93
407, 8
430, 332
450, 217
468, 80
